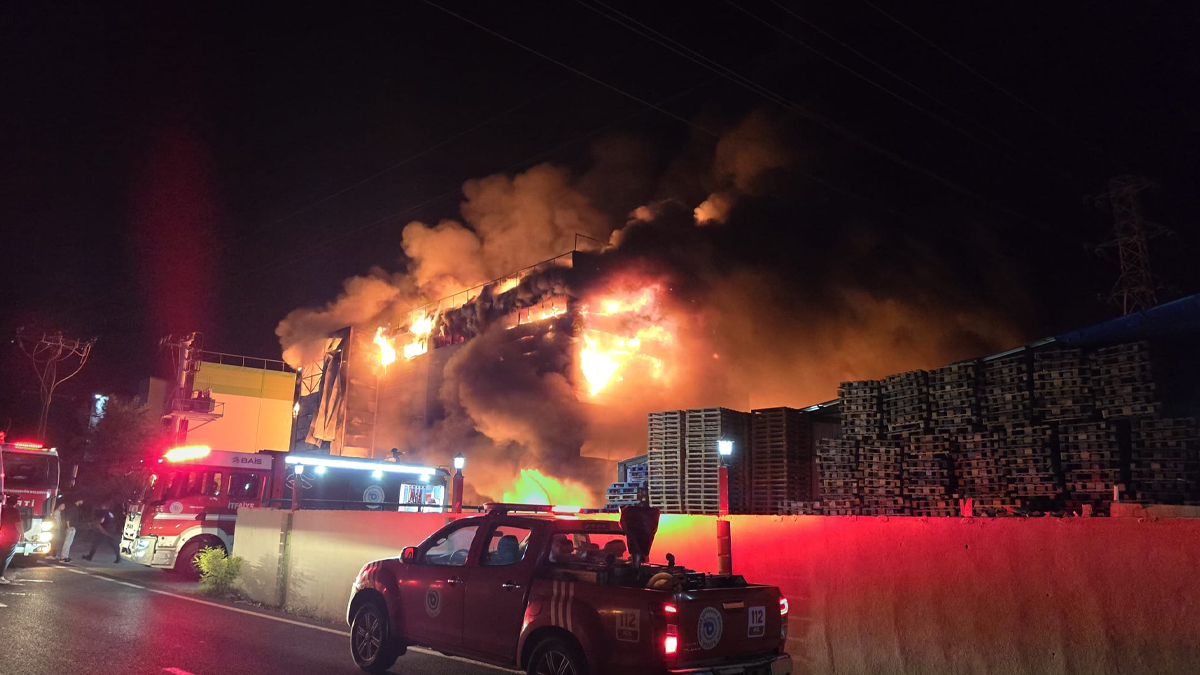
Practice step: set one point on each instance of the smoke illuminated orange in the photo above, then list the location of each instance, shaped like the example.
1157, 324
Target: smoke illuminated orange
387, 351
535, 487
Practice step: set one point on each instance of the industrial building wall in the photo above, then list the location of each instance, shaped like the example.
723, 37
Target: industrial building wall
868, 595
257, 408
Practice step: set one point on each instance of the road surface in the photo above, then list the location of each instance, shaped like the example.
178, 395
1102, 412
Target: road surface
97, 618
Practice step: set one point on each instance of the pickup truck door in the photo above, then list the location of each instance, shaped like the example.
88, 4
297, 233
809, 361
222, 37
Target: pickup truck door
433, 591
498, 590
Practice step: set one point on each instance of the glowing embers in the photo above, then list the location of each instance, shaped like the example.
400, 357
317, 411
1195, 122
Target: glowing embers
420, 329
387, 350
624, 335
534, 487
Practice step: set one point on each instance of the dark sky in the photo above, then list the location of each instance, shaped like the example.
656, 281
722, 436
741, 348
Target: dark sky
156, 158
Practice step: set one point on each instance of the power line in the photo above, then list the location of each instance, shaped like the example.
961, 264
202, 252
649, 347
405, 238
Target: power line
995, 85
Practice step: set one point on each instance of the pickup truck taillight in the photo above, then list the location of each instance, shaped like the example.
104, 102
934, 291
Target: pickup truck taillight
671, 638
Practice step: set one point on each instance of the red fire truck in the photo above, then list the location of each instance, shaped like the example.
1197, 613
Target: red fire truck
528, 587
190, 498
30, 471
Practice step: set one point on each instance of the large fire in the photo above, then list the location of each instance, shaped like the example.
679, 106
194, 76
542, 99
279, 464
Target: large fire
535, 487
387, 351
624, 334
420, 329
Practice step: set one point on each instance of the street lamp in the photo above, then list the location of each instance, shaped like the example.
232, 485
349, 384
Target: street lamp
724, 538
459, 463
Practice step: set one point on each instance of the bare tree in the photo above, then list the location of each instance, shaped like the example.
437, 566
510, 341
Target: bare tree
47, 352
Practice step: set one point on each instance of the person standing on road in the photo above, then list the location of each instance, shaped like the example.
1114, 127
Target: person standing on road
10, 534
106, 533
71, 517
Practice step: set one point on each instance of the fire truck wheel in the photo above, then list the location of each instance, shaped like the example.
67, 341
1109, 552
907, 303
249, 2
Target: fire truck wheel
369, 643
555, 656
188, 562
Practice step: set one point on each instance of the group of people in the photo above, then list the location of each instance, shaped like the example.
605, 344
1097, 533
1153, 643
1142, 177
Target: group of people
68, 519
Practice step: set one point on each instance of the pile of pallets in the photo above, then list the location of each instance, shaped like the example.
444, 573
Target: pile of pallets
879, 469
664, 459
954, 398
1122, 381
781, 460
1061, 387
1027, 458
799, 508
837, 462
977, 466
861, 412
637, 473
621, 494
927, 479
706, 427
1006, 395
1165, 460
1091, 460
905, 399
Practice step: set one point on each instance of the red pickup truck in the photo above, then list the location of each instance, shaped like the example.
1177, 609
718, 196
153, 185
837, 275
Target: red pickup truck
553, 594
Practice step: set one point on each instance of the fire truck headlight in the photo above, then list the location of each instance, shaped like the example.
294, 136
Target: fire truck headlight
143, 543
45, 536
47, 526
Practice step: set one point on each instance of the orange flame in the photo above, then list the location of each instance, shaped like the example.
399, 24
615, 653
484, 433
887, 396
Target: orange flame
387, 351
534, 487
624, 334
420, 329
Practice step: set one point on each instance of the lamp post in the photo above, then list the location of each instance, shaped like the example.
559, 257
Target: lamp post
459, 463
724, 538
296, 486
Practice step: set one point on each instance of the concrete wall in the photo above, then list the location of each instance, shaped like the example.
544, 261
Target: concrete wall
880, 595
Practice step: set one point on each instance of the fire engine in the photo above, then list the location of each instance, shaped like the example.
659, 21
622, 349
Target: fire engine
549, 591
30, 471
190, 498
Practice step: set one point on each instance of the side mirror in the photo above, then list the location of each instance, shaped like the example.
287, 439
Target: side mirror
409, 555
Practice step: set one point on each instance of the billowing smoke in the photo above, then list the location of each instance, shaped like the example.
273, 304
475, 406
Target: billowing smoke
697, 302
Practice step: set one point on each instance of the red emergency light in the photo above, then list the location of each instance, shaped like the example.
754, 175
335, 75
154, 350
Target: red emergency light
187, 452
28, 445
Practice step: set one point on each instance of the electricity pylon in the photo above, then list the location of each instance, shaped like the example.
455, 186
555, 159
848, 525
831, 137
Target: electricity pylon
1137, 287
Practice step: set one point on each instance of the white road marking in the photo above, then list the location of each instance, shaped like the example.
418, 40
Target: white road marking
36, 581
334, 631
176, 671
3, 605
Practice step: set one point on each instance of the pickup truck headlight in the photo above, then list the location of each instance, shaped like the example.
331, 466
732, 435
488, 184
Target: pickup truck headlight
47, 525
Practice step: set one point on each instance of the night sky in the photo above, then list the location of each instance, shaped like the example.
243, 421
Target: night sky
181, 167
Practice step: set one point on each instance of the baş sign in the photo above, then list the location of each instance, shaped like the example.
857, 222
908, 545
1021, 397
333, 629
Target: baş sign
242, 459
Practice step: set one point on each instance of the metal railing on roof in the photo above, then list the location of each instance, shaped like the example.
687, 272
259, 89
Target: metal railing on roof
245, 361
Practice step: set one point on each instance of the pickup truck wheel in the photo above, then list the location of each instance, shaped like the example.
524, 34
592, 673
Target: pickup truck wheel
369, 642
555, 656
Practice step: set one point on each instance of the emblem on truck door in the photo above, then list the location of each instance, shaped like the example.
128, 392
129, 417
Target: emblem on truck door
709, 627
433, 602
628, 629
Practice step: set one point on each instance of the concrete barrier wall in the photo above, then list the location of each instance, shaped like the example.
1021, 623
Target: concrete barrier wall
880, 595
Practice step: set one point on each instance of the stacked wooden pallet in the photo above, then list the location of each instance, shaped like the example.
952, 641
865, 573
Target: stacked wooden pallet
861, 412
800, 508
954, 398
706, 427
619, 494
1027, 458
1091, 460
879, 468
905, 399
1165, 460
781, 459
928, 476
665, 459
977, 465
1006, 395
1123, 383
1061, 385
837, 462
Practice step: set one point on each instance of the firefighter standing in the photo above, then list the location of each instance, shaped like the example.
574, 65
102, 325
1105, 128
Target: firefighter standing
10, 534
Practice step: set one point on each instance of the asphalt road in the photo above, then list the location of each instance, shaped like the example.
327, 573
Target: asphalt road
97, 618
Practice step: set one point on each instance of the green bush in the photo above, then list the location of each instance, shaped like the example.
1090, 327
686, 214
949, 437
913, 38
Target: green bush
218, 571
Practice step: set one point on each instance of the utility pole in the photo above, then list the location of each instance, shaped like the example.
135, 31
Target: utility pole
1137, 288
180, 406
47, 352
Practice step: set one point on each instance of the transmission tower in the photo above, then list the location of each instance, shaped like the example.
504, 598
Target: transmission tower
47, 352
1137, 288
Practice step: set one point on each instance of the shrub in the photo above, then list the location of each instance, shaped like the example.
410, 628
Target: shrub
218, 571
